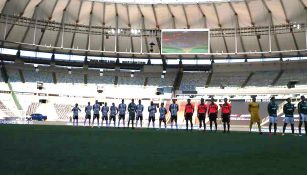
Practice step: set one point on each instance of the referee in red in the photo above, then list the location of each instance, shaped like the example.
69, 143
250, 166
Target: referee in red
212, 113
188, 113
201, 113
226, 111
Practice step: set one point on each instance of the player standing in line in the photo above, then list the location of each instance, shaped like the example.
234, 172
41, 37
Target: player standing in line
272, 110
288, 110
188, 114
96, 109
253, 109
302, 111
139, 113
152, 112
201, 113
131, 110
173, 108
75, 111
105, 111
113, 112
212, 113
163, 112
88, 111
122, 112
226, 111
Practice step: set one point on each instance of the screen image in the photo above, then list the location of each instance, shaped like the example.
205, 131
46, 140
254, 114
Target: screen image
185, 41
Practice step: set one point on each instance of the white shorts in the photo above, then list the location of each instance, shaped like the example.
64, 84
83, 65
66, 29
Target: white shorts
289, 120
303, 117
273, 119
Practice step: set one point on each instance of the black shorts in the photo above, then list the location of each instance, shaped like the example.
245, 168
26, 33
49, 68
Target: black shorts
201, 116
104, 117
132, 116
112, 117
188, 116
75, 117
225, 118
162, 120
174, 117
212, 116
87, 116
121, 116
139, 117
151, 118
96, 116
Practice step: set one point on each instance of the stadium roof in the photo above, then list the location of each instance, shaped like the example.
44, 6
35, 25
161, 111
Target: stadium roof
125, 28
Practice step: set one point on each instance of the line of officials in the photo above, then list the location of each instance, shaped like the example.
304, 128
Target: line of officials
136, 113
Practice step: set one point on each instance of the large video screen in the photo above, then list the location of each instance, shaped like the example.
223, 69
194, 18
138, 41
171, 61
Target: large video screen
185, 41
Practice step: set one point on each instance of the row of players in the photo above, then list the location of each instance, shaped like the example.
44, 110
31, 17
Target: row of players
136, 112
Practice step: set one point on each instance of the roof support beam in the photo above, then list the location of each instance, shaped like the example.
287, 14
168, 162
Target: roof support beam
20, 15
205, 20
90, 28
116, 30
143, 27
220, 26
28, 28
173, 16
77, 21
305, 8
272, 24
157, 26
129, 25
3, 7
49, 20
288, 21
253, 24
185, 16
237, 26
103, 26
62, 22
203, 14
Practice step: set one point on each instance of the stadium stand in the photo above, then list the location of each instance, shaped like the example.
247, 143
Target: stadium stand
6, 110
229, 79
264, 78
189, 81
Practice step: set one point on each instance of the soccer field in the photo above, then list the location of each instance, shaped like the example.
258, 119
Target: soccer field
32, 149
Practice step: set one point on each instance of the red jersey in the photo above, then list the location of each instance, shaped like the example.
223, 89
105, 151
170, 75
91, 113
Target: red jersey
202, 109
189, 108
212, 108
226, 108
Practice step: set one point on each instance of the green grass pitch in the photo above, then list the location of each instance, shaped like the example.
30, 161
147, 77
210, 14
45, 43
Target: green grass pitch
32, 149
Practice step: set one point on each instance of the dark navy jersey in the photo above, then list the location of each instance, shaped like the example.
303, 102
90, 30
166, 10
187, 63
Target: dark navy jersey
302, 107
272, 109
132, 108
289, 109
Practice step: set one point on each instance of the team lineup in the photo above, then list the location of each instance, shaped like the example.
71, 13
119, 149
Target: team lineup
211, 110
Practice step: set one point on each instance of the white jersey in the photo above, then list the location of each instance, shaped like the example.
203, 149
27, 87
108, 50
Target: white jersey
152, 110
75, 111
139, 109
122, 109
105, 110
96, 108
88, 110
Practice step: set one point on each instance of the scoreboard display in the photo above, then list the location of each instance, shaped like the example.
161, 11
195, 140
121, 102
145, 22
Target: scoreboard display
185, 41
